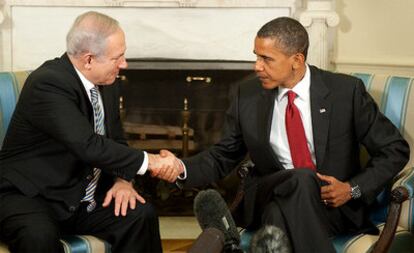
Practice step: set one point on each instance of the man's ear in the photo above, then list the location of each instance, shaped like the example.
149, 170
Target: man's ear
87, 59
298, 60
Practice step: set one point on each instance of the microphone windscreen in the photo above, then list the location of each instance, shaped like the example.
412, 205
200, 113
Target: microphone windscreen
212, 212
270, 239
211, 240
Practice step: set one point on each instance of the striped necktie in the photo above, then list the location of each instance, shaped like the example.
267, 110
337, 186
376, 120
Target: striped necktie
99, 129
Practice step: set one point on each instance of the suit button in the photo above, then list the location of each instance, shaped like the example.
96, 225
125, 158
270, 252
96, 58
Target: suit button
89, 177
72, 209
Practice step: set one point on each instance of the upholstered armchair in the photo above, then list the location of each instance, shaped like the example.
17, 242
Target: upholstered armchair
11, 84
394, 214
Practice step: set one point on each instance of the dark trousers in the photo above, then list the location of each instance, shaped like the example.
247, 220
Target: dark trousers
290, 199
27, 225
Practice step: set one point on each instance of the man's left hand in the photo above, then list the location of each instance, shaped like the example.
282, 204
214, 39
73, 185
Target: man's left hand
124, 194
336, 193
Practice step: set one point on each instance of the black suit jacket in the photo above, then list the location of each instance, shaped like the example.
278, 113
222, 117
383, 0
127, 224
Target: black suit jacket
50, 147
344, 116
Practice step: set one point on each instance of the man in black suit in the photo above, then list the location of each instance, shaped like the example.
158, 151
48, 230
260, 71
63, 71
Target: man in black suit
64, 157
302, 128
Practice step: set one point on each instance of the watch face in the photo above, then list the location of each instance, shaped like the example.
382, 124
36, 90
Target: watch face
355, 192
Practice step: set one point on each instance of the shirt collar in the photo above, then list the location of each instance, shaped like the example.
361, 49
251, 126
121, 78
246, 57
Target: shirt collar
86, 83
301, 88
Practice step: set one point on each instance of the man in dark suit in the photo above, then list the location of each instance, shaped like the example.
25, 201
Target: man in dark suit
64, 157
302, 128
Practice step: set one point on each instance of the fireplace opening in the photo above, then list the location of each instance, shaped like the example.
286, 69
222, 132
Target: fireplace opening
178, 105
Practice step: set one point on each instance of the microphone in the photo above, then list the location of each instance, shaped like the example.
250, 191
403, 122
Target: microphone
211, 240
270, 239
212, 212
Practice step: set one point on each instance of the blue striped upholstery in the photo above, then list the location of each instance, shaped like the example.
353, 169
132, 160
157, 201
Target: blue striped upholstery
395, 97
84, 244
11, 84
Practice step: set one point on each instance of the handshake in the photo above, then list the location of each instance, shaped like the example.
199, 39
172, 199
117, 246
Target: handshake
165, 166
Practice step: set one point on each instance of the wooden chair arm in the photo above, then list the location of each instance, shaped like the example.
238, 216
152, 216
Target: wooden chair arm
398, 196
242, 172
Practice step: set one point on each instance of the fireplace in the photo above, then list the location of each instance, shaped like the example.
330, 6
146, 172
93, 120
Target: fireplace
178, 104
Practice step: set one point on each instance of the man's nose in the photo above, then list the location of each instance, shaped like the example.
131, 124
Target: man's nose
258, 66
123, 64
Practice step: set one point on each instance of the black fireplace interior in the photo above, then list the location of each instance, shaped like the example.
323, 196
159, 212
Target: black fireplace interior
153, 99
160, 96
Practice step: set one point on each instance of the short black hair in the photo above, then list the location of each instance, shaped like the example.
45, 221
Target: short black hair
289, 33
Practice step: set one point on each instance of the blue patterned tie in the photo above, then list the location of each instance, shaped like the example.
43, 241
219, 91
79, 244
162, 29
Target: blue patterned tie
99, 129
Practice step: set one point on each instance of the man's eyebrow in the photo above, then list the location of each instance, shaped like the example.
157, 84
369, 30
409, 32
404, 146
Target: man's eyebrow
118, 56
261, 55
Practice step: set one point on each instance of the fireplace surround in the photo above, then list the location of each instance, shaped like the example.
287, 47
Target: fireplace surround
183, 29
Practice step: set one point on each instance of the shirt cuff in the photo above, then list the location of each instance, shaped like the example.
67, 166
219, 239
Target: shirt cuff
182, 176
144, 166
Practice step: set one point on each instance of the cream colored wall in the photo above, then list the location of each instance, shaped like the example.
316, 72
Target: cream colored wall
375, 35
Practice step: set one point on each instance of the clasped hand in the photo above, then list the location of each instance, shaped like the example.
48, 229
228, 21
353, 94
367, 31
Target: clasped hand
165, 166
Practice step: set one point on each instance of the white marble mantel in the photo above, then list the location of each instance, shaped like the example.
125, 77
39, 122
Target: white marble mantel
32, 31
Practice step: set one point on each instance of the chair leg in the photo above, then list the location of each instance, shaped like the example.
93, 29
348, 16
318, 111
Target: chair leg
398, 195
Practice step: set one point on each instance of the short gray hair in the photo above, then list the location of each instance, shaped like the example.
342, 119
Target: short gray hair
289, 33
89, 33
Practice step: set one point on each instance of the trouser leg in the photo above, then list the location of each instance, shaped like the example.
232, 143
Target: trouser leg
138, 231
293, 203
26, 225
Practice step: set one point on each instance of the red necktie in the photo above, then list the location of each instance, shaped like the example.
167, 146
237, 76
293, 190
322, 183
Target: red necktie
299, 150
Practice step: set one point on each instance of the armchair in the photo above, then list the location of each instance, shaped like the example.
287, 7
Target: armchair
394, 213
11, 84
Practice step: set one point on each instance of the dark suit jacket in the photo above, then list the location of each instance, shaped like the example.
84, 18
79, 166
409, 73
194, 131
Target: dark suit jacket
343, 116
50, 147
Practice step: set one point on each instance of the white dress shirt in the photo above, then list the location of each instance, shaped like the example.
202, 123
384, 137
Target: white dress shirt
88, 86
278, 136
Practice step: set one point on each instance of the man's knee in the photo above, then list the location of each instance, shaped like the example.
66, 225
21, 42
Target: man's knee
306, 178
27, 225
39, 234
34, 236
143, 213
298, 179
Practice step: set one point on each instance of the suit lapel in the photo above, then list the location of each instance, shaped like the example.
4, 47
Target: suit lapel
265, 112
66, 63
320, 110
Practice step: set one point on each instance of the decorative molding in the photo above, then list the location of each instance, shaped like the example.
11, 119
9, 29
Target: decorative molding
377, 68
390, 62
317, 18
114, 3
319, 10
16, 14
294, 4
1, 12
187, 3
390, 66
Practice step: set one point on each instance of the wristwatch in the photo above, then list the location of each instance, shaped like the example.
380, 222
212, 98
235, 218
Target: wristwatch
355, 191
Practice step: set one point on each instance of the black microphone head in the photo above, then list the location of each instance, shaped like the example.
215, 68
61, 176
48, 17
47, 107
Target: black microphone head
270, 239
212, 212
